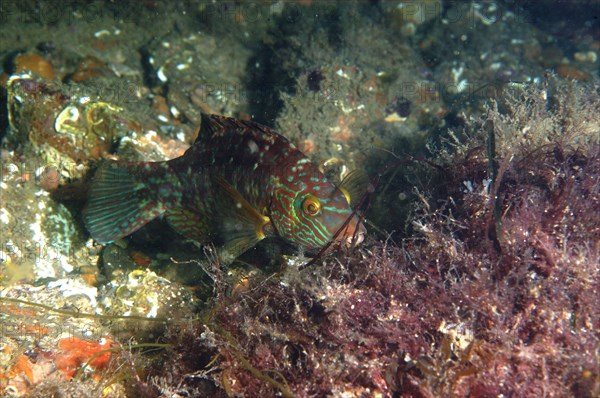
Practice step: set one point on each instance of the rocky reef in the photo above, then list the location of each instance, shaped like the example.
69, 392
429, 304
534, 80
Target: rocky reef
477, 123
494, 294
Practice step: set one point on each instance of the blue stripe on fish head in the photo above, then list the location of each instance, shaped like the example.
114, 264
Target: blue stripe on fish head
307, 209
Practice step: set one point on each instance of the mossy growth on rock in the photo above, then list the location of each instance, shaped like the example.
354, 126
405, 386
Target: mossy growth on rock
495, 293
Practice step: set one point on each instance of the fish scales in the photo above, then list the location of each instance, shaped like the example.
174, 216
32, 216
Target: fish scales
249, 158
239, 183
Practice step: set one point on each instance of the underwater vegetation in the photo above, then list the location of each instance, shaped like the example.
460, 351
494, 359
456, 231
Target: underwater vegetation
496, 294
479, 274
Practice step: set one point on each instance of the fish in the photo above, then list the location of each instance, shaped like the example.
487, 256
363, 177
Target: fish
239, 183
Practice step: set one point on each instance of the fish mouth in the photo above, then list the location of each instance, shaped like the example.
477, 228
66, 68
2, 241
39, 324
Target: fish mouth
354, 233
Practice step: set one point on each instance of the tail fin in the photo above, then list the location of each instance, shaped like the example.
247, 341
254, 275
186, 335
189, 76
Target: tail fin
120, 201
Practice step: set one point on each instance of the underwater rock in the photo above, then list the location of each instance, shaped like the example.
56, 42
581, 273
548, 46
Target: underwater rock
346, 116
40, 238
88, 68
203, 73
140, 294
34, 63
407, 16
35, 320
478, 49
66, 127
151, 146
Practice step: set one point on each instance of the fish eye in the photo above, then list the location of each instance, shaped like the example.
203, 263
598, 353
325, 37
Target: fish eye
311, 205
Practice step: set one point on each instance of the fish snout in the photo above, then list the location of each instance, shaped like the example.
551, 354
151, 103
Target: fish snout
354, 234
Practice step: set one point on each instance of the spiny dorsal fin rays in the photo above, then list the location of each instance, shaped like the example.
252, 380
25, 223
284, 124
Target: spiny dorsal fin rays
215, 125
196, 134
241, 225
354, 185
208, 127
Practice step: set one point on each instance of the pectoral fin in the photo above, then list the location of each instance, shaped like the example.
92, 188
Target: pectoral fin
240, 225
354, 186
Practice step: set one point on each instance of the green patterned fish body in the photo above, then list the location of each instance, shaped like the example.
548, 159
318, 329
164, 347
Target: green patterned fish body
239, 183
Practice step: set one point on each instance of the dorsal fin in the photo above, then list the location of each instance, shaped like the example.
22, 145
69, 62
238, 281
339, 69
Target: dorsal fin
209, 125
212, 125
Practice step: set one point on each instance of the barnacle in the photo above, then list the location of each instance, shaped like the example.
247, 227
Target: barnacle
66, 120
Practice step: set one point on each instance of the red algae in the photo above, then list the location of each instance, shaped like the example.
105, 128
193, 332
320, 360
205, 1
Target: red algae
76, 352
31, 62
454, 311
